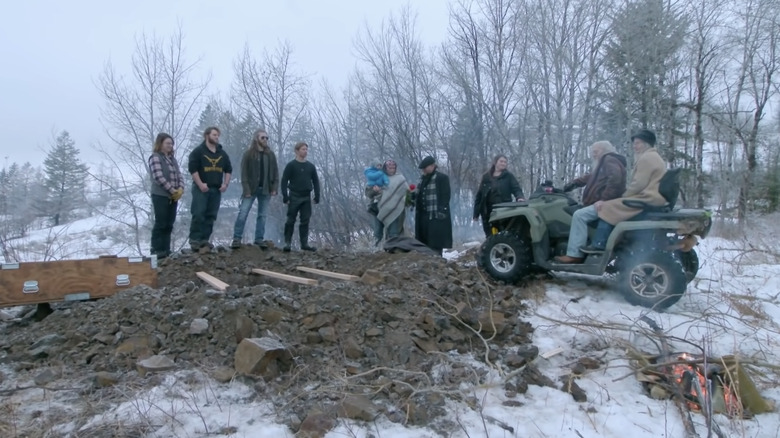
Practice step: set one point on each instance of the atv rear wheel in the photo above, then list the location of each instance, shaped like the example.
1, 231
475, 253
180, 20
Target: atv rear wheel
506, 257
652, 279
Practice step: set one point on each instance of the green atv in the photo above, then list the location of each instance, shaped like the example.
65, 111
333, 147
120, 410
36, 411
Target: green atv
651, 255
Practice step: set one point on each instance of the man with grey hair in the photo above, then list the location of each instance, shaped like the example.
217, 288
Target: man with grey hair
607, 180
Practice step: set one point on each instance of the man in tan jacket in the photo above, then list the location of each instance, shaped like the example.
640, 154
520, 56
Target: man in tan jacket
648, 170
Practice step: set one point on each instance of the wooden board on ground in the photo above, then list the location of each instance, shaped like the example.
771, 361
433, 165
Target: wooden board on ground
281, 276
551, 353
72, 280
328, 273
213, 281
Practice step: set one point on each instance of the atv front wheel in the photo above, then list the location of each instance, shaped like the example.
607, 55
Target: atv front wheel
506, 257
652, 279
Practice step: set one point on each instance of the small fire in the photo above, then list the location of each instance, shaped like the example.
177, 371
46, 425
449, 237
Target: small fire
699, 385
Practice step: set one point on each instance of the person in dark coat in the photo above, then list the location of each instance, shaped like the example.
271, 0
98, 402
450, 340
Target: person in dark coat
607, 178
497, 185
433, 223
606, 181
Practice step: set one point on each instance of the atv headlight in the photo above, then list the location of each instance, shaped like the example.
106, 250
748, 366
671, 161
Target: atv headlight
493, 230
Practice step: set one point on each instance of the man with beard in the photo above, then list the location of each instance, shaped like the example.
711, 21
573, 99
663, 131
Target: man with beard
210, 168
606, 181
259, 179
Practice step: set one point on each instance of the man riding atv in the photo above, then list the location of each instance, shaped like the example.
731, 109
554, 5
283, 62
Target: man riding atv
606, 181
649, 246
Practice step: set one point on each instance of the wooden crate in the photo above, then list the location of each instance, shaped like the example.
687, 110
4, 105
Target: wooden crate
72, 280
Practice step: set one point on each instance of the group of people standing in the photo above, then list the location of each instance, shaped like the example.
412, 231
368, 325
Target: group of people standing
387, 191
389, 194
210, 169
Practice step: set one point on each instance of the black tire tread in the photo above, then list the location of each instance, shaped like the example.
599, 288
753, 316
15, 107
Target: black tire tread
522, 249
667, 261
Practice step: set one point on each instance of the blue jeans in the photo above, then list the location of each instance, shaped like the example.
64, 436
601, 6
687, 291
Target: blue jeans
204, 209
578, 235
243, 214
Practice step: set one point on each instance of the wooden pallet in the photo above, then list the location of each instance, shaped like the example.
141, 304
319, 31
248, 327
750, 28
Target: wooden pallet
73, 280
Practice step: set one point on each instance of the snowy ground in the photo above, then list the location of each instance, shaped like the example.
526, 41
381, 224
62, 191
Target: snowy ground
733, 307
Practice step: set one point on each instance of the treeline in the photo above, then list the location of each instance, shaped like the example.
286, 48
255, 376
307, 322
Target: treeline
537, 80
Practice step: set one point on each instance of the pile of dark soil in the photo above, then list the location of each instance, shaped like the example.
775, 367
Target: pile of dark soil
410, 334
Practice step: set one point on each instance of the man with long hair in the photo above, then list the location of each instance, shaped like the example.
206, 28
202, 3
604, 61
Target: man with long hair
167, 188
259, 180
210, 168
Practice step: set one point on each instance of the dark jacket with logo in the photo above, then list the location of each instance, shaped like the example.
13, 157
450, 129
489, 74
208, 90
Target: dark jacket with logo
210, 166
607, 182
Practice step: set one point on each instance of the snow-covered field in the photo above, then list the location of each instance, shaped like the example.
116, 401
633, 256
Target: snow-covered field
732, 307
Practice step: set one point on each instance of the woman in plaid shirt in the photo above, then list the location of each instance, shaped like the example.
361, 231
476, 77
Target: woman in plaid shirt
167, 188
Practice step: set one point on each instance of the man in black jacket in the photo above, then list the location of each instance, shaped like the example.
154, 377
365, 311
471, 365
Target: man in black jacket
433, 223
298, 180
210, 168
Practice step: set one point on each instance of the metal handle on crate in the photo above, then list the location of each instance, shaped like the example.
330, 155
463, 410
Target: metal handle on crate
30, 287
123, 280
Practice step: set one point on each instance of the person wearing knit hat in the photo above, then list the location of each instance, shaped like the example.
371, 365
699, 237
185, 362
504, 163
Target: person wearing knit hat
433, 223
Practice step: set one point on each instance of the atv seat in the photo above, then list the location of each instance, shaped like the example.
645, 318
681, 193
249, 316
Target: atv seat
668, 187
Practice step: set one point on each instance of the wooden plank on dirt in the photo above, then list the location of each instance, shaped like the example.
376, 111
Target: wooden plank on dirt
213, 281
551, 353
279, 275
331, 274
65, 280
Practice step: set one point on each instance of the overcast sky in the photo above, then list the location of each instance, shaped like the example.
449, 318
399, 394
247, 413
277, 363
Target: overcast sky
52, 51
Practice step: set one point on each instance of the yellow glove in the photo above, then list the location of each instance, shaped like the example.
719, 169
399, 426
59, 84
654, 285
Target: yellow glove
176, 195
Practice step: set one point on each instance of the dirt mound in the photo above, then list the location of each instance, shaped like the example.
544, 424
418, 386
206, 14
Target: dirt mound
389, 338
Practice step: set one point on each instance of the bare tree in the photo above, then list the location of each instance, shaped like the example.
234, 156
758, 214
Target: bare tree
271, 90
396, 89
159, 95
706, 23
756, 44
566, 38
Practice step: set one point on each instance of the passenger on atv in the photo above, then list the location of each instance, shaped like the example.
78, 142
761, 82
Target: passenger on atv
648, 170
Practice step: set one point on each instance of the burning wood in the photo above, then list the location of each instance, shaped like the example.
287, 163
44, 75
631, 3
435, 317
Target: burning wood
703, 383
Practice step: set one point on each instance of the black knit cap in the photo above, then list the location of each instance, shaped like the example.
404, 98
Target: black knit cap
645, 135
427, 161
